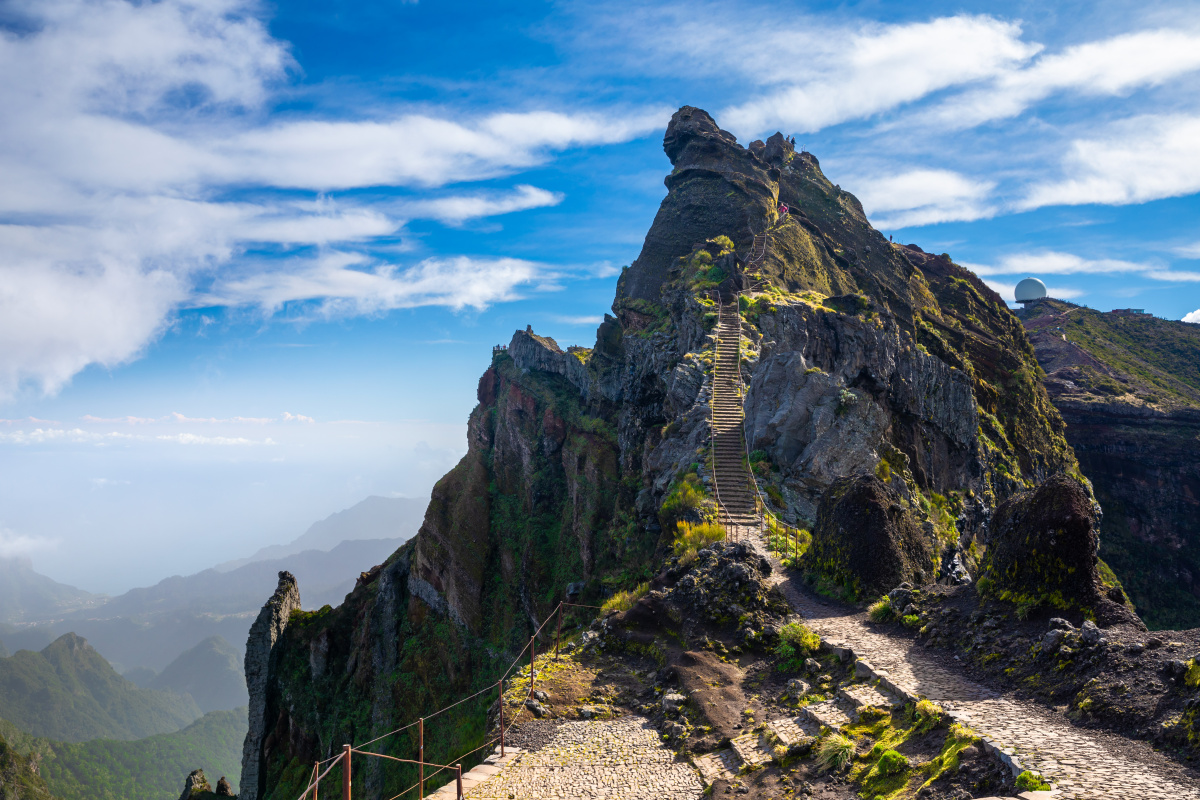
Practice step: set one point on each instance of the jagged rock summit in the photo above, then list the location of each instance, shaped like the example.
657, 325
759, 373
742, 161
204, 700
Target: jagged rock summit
865, 369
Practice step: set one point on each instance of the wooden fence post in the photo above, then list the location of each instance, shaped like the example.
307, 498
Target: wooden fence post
316, 773
345, 772
500, 687
532, 659
421, 758
558, 633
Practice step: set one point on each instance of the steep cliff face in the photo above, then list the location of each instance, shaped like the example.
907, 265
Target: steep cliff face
1128, 387
862, 359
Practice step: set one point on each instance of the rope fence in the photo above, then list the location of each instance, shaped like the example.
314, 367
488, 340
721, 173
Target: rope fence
344, 758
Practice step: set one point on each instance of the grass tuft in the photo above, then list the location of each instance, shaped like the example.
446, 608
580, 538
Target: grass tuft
834, 752
623, 601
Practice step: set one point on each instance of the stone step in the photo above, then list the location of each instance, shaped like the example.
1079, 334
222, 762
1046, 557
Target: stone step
834, 714
861, 695
721, 765
751, 749
796, 730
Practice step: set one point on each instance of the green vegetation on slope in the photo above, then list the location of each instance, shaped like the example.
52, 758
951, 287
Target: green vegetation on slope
70, 693
19, 779
211, 672
1157, 358
147, 769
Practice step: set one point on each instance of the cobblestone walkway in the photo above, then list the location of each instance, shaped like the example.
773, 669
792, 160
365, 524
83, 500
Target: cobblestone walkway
614, 759
1082, 763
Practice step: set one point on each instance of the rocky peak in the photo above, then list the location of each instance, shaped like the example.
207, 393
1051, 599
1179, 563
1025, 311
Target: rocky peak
694, 126
260, 661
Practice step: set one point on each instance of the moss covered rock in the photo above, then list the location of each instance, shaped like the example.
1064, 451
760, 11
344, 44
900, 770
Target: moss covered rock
1043, 550
866, 539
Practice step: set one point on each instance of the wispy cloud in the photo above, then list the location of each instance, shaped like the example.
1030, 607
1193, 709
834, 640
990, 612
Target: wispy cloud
346, 283
457, 209
15, 545
1134, 161
833, 76
1110, 66
223, 441
1056, 263
923, 197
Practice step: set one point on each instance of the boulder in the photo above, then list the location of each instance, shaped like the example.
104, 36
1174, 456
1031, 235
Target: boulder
1042, 551
866, 539
671, 702
195, 782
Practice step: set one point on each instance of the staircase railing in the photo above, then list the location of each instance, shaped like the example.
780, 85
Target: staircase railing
770, 526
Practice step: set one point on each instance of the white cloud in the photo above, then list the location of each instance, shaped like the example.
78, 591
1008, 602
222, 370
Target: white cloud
1188, 251
415, 149
124, 125
924, 197
345, 283
457, 209
832, 76
1193, 316
288, 417
15, 545
1137, 160
1106, 67
66, 435
192, 438
1050, 262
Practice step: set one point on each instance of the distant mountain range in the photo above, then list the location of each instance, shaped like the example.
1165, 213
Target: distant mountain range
150, 627
70, 693
105, 769
25, 595
373, 518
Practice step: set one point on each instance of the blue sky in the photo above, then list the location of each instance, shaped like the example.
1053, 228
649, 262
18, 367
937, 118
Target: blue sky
253, 256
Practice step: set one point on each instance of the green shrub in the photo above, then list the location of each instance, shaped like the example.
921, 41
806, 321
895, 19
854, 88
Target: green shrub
881, 610
834, 752
1031, 782
623, 601
910, 621
686, 496
796, 643
891, 763
690, 539
984, 586
1191, 678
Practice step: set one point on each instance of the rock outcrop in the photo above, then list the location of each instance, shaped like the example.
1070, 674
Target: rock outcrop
1043, 549
261, 657
195, 784
866, 539
1128, 387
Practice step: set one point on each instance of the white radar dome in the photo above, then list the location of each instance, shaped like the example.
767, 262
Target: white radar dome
1029, 290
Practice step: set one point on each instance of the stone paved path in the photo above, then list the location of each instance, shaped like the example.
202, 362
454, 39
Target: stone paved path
1082, 763
614, 759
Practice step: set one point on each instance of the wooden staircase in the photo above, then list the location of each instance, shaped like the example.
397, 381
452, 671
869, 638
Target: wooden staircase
736, 500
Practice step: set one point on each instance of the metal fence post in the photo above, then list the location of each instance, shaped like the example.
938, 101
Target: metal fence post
458, 769
345, 772
316, 774
421, 758
532, 658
